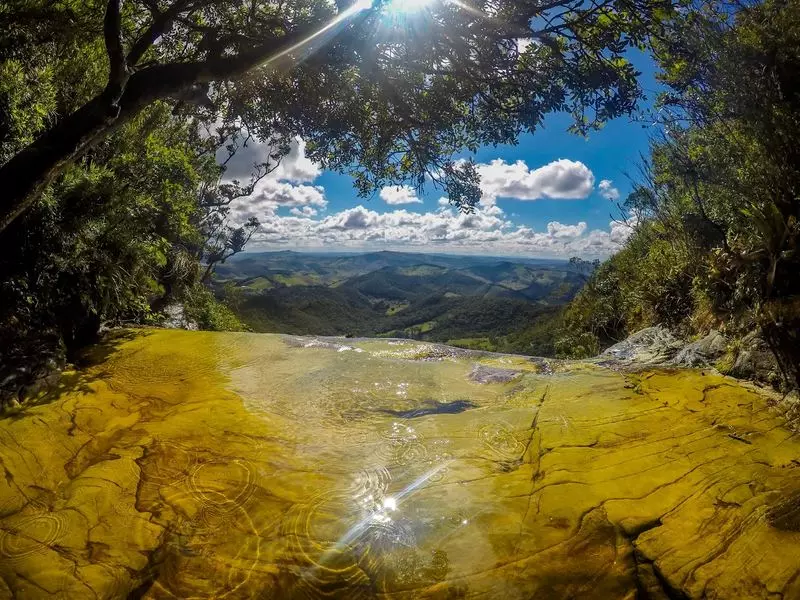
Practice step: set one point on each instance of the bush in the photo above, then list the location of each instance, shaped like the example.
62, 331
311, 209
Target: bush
202, 307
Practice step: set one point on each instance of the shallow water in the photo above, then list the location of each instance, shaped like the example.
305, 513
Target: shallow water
207, 465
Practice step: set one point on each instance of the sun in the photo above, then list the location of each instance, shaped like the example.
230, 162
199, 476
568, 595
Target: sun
392, 6
407, 6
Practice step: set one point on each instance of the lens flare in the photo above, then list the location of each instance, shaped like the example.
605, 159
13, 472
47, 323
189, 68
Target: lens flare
408, 6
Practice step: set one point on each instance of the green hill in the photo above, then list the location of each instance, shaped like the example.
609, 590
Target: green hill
478, 302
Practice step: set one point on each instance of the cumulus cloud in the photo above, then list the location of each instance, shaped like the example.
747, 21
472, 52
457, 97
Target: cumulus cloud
559, 230
399, 194
303, 211
295, 167
270, 195
287, 185
560, 179
487, 231
607, 190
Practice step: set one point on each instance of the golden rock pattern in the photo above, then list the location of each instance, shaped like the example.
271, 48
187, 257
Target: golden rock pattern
208, 465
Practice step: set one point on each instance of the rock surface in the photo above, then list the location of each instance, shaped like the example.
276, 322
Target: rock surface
653, 345
754, 360
198, 465
703, 352
175, 318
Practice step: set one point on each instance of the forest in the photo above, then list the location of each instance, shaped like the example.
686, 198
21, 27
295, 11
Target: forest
114, 116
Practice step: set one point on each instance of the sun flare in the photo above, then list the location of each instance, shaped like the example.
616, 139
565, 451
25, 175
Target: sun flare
408, 6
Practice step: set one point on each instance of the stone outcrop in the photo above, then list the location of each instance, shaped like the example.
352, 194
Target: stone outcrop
703, 352
753, 359
198, 465
745, 358
653, 345
175, 318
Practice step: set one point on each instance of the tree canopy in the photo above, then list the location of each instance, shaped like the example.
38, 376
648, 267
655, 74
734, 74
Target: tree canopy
718, 208
387, 94
114, 115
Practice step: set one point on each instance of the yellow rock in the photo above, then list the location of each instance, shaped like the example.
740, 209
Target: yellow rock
220, 465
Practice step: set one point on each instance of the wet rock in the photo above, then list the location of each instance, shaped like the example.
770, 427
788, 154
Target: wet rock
201, 464
310, 342
314, 342
543, 364
703, 352
653, 345
785, 514
486, 374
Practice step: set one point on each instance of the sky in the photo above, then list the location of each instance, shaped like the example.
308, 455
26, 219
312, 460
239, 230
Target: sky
553, 195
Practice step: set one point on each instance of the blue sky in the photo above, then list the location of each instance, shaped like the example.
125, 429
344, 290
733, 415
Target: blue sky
555, 203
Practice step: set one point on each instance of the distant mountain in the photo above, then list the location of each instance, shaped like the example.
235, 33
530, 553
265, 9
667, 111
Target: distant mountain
326, 268
473, 301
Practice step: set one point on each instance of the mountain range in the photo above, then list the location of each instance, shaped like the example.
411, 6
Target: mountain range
473, 301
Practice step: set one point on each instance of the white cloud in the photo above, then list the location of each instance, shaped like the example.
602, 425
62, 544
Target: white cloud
289, 194
486, 231
607, 190
560, 179
523, 43
295, 167
270, 195
399, 194
559, 230
304, 211
285, 186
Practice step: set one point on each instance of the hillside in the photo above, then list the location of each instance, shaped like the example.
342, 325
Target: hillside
482, 302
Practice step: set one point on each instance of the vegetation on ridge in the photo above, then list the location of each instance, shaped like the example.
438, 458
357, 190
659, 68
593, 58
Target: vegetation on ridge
718, 210
471, 301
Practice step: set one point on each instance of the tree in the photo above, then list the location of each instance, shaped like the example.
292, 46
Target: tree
225, 242
718, 245
387, 95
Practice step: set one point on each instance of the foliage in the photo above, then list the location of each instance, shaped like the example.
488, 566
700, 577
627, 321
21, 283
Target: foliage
717, 241
203, 307
98, 247
388, 96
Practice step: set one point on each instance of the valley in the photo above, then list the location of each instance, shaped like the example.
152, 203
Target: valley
477, 302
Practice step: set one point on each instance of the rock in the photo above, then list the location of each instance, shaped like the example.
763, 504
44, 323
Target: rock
175, 318
756, 361
543, 364
431, 407
484, 374
205, 464
703, 352
653, 345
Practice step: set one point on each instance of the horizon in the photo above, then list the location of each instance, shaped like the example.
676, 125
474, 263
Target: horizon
363, 252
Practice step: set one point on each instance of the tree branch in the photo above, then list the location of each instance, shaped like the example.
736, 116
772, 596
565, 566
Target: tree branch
112, 34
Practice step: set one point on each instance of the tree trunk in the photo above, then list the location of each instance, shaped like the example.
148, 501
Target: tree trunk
24, 177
